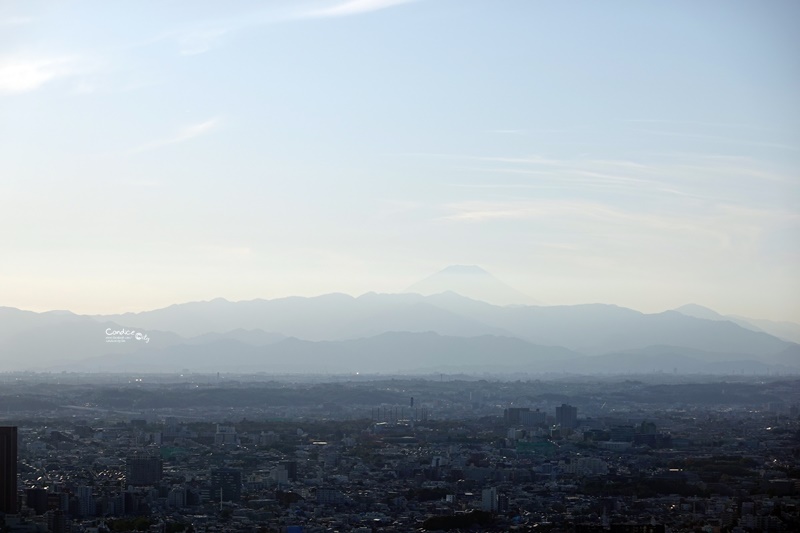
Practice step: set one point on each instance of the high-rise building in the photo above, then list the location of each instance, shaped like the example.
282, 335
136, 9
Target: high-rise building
512, 414
280, 474
489, 500
567, 416
532, 418
58, 521
329, 496
8, 470
291, 469
226, 484
176, 498
86, 501
142, 469
226, 435
36, 499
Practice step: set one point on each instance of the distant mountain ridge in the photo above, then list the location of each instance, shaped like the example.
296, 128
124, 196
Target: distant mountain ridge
788, 331
326, 317
589, 328
390, 332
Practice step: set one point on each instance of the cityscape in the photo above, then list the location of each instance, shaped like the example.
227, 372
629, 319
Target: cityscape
649, 453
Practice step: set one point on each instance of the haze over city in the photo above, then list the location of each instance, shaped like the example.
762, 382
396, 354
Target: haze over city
640, 155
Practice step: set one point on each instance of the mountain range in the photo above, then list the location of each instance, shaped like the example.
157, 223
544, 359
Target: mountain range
395, 333
786, 330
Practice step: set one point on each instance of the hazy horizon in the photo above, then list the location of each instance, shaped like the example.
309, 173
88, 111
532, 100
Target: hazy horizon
408, 291
638, 155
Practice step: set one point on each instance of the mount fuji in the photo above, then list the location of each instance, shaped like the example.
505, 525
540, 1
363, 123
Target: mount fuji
473, 282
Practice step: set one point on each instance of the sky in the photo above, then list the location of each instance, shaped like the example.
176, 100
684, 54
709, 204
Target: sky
644, 154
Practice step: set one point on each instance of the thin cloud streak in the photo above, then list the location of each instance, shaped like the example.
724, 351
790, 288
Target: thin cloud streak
720, 139
192, 40
530, 160
508, 132
185, 134
355, 7
724, 228
200, 41
682, 205
15, 21
25, 75
692, 123
565, 182
687, 182
205, 36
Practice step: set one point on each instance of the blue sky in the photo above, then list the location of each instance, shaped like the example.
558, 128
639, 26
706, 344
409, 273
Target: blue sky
643, 154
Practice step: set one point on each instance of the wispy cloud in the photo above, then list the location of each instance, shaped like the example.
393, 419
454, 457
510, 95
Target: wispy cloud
722, 228
595, 212
84, 87
582, 183
691, 123
508, 132
687, 181
689, 204
201, 37
720, 139
195, 39
19, 75
355, 7
529, 160
15, 21
185, 134
200, 41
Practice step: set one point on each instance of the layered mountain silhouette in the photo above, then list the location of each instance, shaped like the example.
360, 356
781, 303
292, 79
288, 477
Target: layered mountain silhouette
327, 317
785, 330
411, 332
391, 352
389, 333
